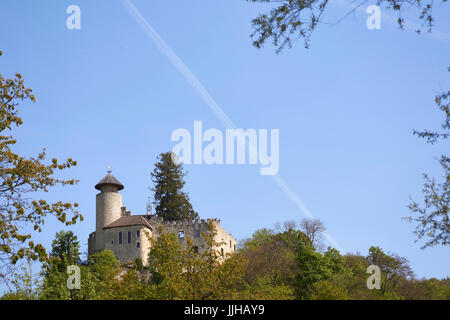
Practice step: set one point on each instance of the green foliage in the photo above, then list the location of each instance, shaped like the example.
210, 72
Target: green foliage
442, 101
354, 278
424, 289
170, 201
139, 264
393, 268
130, 286
54, 286
327, 290
104, 266
264, 289
165, 264
289, 20
66, 247
288, 264
270, 256
271, 265
11, 295
25, 285
98, 279
20, 179
178, 272
432, 219
315, 267
259, 238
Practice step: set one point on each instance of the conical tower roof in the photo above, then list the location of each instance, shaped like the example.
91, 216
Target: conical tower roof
109, 179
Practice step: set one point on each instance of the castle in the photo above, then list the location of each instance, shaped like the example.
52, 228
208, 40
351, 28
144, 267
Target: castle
125, 234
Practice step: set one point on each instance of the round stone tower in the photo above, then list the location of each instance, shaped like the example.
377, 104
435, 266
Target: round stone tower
108, 206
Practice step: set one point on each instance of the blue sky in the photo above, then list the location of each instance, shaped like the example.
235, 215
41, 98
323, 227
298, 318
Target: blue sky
345, 108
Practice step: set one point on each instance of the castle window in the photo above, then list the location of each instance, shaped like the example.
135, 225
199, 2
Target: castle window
138, 244
129, 236
230, 244
138, 233
181, 234
234, 247
195, 249
197, 233
120, 237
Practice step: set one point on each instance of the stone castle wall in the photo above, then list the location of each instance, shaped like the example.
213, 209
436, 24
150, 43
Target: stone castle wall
137, 246
132, 231
193, 229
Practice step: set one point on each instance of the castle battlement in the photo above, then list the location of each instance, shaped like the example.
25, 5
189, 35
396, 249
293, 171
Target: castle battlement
187, 222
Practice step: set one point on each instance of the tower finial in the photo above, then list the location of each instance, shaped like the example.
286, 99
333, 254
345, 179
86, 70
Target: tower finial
109, 169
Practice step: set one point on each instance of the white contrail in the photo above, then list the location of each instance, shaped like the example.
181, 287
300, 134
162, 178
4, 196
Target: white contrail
206, 97
179, 65
282, 184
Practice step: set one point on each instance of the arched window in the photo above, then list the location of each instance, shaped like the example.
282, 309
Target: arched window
138, 244
120, 237
181, 234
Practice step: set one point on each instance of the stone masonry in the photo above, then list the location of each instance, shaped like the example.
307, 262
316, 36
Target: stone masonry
125, 234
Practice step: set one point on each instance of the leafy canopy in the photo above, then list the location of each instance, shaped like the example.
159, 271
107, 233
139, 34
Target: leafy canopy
21, 178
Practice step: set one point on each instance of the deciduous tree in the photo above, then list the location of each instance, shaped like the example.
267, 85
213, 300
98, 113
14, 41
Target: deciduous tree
186, 272
289, 20
393, 268
21, 178
432, 218
313, 229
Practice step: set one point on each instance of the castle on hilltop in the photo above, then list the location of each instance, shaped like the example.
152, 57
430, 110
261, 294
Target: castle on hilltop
124, 234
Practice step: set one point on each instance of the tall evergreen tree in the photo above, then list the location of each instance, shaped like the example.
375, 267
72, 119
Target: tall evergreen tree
66, 247
170, 202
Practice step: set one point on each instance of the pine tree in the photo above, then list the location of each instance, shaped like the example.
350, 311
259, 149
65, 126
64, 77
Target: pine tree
66, 247
170, 202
